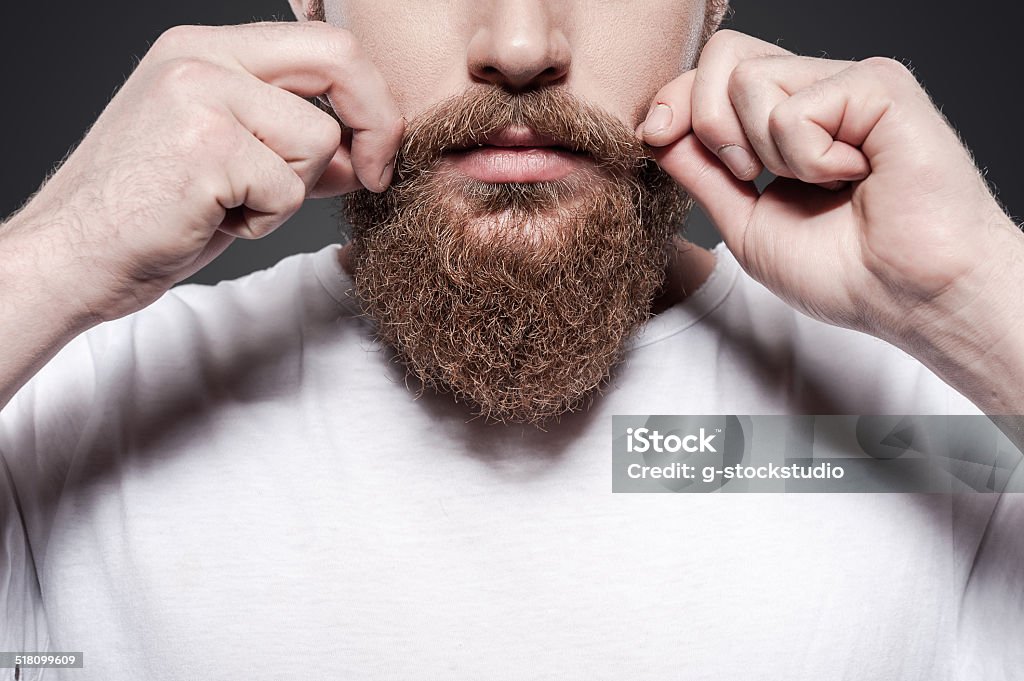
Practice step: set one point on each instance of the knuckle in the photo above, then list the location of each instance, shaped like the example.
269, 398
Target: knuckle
887, 69
708, 123
177, 39
184, 74
747, 75
326, 134
292, 195
341, 45
208, 134
729, 40
765, 149
781, 120
722, 37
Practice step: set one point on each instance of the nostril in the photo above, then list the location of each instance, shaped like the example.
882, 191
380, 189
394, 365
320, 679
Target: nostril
551, 74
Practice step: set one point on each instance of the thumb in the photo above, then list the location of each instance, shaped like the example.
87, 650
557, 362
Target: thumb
729, 202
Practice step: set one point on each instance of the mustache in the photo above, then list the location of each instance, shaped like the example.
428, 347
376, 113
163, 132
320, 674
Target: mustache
516, 298
466, 120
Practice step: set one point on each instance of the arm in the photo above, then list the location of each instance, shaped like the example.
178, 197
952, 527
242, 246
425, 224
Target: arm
977, 346
38, 313
879, 220
209, 140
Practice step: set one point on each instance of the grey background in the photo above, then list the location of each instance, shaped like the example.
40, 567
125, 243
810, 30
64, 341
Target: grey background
63, 61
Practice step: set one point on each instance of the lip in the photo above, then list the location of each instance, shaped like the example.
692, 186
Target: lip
516, 154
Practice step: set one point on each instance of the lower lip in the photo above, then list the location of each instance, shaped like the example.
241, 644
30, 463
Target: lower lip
515, 164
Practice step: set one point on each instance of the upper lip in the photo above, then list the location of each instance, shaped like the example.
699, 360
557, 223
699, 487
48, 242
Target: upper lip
518, 136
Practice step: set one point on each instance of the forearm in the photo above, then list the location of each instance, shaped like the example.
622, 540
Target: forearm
40, 309
995, 382
977, 344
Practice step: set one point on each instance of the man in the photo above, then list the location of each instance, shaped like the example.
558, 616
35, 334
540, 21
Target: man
282, 476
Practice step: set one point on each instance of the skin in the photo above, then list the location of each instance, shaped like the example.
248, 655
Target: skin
447, 46
882, 222
885, 225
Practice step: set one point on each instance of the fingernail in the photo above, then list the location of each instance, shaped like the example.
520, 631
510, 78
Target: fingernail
658, 119
739, 161
385, 176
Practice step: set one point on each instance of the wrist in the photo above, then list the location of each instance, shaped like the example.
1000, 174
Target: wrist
45, 275
972, 336
39, 314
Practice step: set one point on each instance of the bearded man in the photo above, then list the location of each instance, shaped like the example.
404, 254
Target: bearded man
389, 459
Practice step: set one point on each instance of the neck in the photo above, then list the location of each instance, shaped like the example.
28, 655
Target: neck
689, 266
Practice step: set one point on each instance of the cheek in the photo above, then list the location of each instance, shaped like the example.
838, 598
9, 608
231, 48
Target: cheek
623, 52
415, 45
650, 45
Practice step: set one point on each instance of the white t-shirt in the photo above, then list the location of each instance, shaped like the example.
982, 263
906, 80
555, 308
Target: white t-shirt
237, 483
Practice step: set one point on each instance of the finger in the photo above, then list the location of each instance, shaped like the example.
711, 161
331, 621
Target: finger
820, 130
309, 139
668, 118
714, 120
729, 202
758, 85
305, 137
259, 192
338, 178
311, 59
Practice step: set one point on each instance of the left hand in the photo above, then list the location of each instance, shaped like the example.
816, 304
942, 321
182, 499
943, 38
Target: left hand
879, 220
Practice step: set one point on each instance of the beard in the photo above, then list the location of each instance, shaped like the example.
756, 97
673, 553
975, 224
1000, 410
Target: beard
516, 298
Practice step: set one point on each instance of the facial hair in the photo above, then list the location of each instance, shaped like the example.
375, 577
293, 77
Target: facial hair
516, 298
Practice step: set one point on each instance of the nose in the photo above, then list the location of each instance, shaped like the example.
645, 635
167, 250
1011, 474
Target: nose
520, 44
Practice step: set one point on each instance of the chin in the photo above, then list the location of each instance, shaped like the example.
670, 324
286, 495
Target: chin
529, 230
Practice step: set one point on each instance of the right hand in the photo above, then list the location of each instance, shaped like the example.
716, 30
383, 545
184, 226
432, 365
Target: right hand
208, 140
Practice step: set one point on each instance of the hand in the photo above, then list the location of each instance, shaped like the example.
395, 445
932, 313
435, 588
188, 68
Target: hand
879, 220
209, 139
